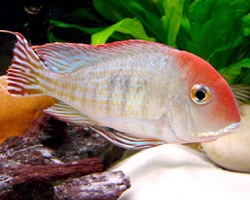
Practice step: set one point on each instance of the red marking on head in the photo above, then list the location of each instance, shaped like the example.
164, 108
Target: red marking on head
222, 104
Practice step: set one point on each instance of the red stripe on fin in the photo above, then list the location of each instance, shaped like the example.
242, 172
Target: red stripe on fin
66, 58
23, 76
127, 141
68, 114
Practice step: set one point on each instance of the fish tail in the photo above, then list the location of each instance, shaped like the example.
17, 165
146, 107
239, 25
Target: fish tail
25, 72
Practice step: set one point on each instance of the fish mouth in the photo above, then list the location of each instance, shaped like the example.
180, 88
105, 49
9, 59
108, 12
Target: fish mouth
222, 132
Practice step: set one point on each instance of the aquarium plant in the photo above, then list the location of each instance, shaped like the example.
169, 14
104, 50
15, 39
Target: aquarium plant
216, 30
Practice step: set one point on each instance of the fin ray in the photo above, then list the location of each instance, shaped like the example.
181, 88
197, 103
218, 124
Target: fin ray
23, 76
68, 114
241, 92
127, 141
66, 58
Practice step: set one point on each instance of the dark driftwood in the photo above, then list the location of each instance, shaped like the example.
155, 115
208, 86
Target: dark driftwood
52, 153
36, 181
105, 186
25, 182
28, 173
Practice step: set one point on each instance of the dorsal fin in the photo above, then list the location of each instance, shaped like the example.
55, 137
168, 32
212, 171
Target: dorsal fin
65, 58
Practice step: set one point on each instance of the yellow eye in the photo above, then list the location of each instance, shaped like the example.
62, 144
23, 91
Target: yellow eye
200, 94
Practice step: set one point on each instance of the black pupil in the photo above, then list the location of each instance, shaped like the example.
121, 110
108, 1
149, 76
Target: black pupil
200, 95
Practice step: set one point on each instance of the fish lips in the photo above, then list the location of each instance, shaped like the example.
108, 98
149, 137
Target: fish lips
213, 135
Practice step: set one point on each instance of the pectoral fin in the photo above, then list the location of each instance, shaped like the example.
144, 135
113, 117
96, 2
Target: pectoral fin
127, 141
68, 114
241, 92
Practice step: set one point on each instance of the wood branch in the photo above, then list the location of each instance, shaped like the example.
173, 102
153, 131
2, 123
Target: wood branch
105, 186
27, 173
52, 153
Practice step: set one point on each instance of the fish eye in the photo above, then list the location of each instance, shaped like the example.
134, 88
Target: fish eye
200, 94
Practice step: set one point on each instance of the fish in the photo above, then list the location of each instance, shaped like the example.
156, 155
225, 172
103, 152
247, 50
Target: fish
137, 94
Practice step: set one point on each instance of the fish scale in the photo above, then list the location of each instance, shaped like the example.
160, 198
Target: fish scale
148, 93
114, 92
121, 97
119, 89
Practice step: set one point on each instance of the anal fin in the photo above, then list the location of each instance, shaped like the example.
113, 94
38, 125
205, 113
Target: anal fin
68, 114
127, 141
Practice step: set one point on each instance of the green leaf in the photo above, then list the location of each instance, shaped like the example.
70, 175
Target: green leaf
246, 25
245, 79
148, 12
234, 70
26, 24
132, 27
216, 29
150, 17
53, 39
185, 24
112, 9
83, 29
184, 34
85, 13
172, 19
238, 41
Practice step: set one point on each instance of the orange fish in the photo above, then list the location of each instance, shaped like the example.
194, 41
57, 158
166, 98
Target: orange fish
147, 92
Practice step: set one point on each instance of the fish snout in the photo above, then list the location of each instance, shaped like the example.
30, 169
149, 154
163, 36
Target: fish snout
211, 135
232, 128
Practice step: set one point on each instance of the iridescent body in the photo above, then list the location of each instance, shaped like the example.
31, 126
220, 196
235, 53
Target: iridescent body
139, 88
114, 93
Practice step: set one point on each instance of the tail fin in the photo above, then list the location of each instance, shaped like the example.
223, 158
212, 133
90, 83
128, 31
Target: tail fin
23, 76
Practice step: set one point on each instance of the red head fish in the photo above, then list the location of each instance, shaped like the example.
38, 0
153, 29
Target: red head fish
147, 92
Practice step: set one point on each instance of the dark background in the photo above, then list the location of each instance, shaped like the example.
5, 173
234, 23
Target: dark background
31, 18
